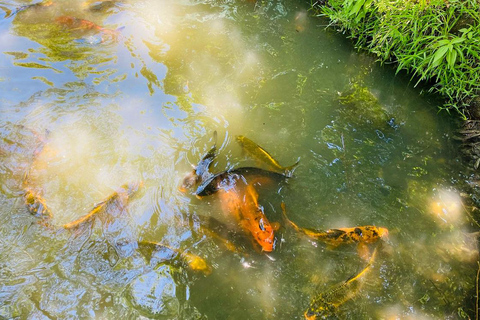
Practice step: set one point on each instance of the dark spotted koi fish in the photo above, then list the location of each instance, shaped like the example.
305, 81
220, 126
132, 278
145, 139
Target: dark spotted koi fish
228, 179
201, 171
335, 237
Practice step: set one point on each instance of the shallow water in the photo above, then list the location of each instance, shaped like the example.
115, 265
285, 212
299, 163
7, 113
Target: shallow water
82, 115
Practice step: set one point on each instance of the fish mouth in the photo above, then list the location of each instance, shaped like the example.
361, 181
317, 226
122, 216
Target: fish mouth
269, 249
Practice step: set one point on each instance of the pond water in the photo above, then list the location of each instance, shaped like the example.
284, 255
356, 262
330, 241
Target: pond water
137, 96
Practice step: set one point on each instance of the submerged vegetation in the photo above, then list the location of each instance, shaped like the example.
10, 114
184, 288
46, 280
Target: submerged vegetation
436, 41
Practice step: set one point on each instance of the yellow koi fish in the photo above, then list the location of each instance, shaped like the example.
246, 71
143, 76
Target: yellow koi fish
261, 154
125, 193
195, 263
326, 303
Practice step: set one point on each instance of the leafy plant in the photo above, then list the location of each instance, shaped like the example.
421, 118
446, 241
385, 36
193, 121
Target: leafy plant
436, 41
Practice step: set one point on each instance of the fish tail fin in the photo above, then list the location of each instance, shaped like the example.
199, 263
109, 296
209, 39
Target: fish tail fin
290, 169
288, 221
368, 266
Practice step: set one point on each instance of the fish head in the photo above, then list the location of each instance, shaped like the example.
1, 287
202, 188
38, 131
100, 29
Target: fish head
132, 188
383, 233
190, 180
206, 190
240, 139
222, 181
309, 315
322, 311
197, 263
262, 233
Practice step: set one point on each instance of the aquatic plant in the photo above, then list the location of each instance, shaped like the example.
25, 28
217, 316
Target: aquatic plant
436, 41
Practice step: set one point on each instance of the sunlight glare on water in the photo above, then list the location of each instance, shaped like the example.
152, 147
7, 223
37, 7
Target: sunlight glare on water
101, 98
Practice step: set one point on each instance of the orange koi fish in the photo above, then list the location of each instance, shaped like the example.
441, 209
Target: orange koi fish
243, 204
119, 198
335, 237
325, 304
73, 23
195, 263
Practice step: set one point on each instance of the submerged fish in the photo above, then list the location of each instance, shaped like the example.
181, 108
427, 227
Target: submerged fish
35, 7
100, 6
261, 154
228, 179
166, 253
326, 303
335, 237
216, 230
200, 172
74, 24
119, 198
242, 203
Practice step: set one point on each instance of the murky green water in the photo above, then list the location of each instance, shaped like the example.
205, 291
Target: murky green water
143, 106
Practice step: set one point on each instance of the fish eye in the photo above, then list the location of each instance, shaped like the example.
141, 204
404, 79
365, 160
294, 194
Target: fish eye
261, 225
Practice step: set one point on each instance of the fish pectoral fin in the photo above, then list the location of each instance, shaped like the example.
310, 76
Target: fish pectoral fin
363, 251
332, 246
275, 225
289, 170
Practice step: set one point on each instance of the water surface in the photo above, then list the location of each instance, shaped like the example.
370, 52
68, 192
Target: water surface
83, 113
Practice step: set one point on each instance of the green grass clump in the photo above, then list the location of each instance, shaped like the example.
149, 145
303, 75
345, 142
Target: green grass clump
437, 41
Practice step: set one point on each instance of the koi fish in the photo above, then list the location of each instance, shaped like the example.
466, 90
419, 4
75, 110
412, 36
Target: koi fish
36, 6
36, 205
210, 230
195, 263
335, 237
100, 6
200, 172
84, 26
119, 197
261, 154
227, 179
243, 204
326, 303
